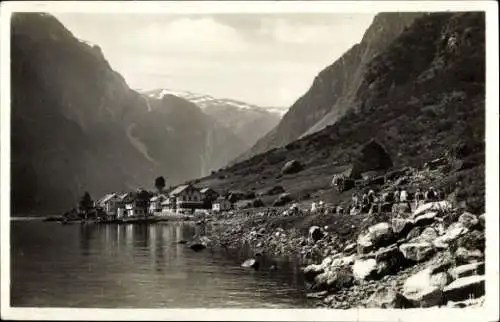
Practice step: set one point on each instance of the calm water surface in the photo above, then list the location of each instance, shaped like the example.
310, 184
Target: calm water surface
138, 266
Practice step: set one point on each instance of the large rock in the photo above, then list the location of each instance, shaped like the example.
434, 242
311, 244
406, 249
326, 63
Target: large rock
465, 256
452, 233
401, 227
316, 233
388, 298
378, 235
350, 248
197, 246
425, 289
333, 280
364, 268
467, 270
465, 287
292, 166
425, 219
437, 206
282, 200
469, 220
313, 270
418, 251
389, 260
472, 240
428, 235
250, 263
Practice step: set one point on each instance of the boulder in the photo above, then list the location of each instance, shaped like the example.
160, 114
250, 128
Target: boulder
452, 233
425, 289
313, 270
414, 233
437, 206
472, 240
482, 221
350, 248
465, 287
316, 233
378, 235
292, 166
428, 235
389, 260
469, 220
275, 190
425, 219
250, 263
388, 298
334, 280
282, 200
467, 270
401, 227
417, 251
197, 246
465, 256
364, 268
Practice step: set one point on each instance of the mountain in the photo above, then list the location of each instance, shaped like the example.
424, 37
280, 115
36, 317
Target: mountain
77, 126
247, 121
421, 98
331, 93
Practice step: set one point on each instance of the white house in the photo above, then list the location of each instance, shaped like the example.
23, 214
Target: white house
221, 204
155, 203
187, 198
109, 203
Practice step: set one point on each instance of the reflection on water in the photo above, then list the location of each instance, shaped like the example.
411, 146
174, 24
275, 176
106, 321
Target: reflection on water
139, 266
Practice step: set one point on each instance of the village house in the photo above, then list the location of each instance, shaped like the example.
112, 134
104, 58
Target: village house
168, 206
187, 198
155, 204
109, 204
122, 200
221, 204
208, 196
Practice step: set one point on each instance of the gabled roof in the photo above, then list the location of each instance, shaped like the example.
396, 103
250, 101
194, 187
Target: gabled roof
124, 196
205, 190
179, 189
161, 196
221, 199
107, 198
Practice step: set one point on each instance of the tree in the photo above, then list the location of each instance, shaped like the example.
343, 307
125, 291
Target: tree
160, 184
86, 203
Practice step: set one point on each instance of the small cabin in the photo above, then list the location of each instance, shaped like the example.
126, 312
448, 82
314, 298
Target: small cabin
221, 204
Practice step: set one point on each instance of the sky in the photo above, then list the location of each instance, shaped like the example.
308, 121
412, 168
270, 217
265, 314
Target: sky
262, 59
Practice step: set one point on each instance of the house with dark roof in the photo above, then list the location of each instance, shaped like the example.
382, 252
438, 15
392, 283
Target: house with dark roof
187, 198
155, 203
208, 196
221, 204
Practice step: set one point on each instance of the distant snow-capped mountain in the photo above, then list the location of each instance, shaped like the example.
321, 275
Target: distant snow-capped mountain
249, 122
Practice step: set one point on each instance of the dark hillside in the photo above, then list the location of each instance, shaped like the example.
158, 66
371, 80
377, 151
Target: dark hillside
422, 96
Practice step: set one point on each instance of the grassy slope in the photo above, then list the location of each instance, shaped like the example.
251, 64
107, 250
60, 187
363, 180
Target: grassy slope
421, 98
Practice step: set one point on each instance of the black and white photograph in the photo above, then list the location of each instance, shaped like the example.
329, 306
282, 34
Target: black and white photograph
330, 158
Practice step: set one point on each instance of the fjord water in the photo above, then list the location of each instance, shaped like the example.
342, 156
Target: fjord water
138, 266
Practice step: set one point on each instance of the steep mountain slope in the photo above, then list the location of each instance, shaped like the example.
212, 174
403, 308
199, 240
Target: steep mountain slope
77, 126
421, 97
249, 122
332, 91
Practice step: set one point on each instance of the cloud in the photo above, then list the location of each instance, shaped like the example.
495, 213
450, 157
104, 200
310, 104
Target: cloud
188, 35
288, 31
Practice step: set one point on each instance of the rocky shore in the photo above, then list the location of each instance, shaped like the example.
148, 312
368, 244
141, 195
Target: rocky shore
433, 256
